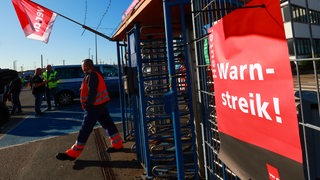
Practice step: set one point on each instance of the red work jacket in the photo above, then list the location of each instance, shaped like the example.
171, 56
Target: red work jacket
102, 92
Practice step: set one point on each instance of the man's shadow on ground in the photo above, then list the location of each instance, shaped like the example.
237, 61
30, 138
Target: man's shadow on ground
133, 164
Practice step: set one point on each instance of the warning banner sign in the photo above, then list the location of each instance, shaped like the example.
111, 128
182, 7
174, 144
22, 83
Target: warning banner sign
253, 82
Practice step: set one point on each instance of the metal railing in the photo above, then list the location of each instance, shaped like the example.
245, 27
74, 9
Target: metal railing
306, 87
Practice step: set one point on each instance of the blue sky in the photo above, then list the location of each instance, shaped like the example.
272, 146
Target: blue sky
69, 43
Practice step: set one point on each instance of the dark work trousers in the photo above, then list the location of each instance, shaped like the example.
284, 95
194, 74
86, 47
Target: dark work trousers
37, 102
90, 118
51, 94
15, 102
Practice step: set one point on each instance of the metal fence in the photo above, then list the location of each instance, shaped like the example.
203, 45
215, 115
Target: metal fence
169, 152
306, 87
205, 14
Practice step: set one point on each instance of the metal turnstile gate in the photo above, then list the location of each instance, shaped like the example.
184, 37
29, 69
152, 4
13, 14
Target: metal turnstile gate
149, 99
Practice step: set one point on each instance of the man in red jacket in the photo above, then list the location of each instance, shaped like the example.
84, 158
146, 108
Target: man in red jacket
93, 97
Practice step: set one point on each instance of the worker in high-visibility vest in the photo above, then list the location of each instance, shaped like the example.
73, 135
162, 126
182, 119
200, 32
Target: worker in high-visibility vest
51, 77
93, 98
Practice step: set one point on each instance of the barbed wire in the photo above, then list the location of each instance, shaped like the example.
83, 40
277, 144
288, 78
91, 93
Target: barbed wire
101, 19
104, 14
85, 15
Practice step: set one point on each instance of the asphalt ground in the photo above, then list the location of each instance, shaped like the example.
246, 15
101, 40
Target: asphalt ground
59, 122
28, 146
26, 127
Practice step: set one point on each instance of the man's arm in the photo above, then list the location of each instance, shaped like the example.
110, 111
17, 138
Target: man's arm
92, 83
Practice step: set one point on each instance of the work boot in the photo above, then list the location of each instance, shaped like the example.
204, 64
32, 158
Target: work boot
116, 143
64, 156
72, 153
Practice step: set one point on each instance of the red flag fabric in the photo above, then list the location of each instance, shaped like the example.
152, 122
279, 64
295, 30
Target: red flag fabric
36, 21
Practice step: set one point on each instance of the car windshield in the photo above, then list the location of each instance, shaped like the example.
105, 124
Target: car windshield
109, 71
70, 72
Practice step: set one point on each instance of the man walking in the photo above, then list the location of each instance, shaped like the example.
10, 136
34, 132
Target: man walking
51, 77
93, 97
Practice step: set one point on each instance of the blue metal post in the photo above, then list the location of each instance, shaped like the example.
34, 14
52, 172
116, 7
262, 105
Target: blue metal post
121, 91
173, 89
135, 108
142, 110
185, 52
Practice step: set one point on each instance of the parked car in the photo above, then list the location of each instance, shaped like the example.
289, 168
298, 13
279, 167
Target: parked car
6, 76
71, 76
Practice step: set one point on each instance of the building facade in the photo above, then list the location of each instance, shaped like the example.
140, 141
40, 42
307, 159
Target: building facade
302, 27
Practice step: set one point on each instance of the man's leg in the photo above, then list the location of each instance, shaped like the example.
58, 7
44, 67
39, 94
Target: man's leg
55, 98
14, 103
48, 98
38, 102
18, 102
89, 120
111, 130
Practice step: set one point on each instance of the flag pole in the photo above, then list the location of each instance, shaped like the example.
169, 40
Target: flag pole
82, 25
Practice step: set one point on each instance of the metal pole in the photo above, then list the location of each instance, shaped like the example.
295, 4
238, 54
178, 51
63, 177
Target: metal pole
95, 37
173, 90
41, 61
204, 150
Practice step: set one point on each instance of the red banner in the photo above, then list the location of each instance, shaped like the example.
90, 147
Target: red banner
130, 8
253, 81
35, 20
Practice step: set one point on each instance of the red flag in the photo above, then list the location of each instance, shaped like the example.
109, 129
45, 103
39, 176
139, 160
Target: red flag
36, 21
